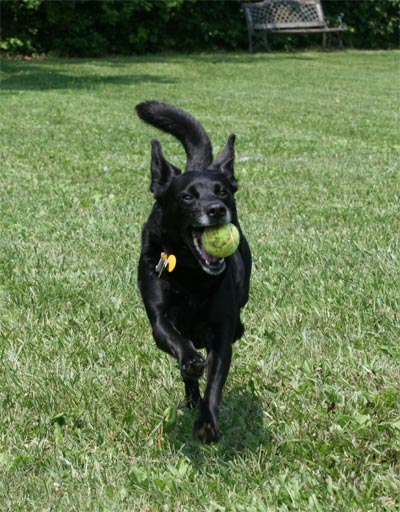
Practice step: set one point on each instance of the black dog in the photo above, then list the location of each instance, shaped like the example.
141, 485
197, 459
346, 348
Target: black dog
195, 304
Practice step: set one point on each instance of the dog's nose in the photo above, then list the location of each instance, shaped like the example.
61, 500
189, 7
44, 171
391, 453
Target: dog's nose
216, 210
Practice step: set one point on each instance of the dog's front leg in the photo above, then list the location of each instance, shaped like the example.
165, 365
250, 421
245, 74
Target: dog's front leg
206, 428
170, 340
192, 392
191, 362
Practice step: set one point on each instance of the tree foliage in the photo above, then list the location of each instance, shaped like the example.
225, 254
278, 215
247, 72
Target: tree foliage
94, 28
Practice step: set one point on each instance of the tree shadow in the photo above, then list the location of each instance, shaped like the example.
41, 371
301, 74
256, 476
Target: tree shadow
43, 75
242, 425
33, 76
37, 75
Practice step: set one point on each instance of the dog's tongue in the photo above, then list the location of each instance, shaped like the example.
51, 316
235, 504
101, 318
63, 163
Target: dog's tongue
208, 257
205, 255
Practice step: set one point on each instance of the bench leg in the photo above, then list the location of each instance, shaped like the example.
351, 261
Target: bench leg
265, 40
254, 40
251, 41
340, 41
327, 40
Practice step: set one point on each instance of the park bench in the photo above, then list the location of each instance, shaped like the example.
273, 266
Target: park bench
288, 17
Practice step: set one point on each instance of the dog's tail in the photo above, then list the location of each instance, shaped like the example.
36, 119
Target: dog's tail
184, 127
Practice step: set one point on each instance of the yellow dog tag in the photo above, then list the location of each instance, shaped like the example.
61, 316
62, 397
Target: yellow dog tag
171, 261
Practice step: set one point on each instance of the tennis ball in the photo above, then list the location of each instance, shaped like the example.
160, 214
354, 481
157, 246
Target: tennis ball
221, 241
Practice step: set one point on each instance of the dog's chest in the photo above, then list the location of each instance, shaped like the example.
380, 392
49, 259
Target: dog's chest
190, 315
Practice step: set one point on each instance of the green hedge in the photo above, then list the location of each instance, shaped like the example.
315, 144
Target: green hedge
94, 28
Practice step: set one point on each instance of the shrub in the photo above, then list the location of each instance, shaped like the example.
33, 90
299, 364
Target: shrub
86, 28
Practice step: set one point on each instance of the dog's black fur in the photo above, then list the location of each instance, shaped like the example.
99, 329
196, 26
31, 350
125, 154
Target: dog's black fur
197, 305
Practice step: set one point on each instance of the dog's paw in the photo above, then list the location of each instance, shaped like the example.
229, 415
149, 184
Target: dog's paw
193, 367
207, 431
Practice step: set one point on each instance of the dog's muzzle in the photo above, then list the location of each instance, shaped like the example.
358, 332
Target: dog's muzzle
209, 263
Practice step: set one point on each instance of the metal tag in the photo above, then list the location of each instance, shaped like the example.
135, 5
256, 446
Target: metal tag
161, 266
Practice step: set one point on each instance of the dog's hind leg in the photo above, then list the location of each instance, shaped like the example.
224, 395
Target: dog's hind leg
192, 393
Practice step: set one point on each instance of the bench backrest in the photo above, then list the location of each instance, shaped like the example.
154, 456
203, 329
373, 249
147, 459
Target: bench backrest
281, 14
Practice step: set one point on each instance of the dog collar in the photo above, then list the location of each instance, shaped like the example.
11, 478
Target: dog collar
167, 261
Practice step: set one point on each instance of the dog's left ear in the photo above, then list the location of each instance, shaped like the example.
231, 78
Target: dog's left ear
225, 161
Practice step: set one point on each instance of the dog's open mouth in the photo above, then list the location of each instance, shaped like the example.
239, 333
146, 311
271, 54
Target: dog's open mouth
209, 263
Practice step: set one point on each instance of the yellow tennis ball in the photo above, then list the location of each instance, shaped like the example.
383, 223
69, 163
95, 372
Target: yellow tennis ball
221, 241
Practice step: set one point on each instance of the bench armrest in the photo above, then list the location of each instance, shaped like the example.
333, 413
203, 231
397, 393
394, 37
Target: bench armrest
338, 21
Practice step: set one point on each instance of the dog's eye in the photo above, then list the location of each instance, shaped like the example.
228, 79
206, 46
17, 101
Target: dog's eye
187, 198
222, 193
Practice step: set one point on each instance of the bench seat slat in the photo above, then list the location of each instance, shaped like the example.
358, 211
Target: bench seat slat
288, 24
307, 31
316, 30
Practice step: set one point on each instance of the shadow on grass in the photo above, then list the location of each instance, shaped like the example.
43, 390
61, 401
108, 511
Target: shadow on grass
56, 73
34, 77
241, 422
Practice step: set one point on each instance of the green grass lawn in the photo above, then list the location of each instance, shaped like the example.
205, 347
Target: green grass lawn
311, 413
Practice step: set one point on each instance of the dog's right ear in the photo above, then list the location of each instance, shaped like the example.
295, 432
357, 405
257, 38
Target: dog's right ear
162, 171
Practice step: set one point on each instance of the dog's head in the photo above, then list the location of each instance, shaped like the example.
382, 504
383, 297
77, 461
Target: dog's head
194, 200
